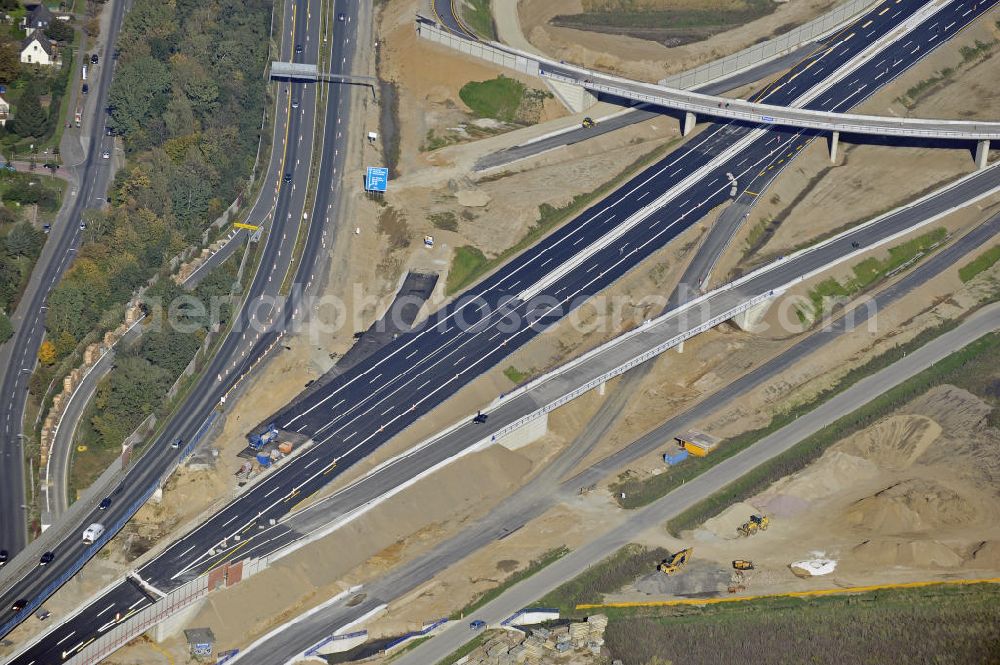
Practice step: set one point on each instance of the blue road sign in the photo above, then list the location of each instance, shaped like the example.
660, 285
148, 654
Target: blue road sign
376, 178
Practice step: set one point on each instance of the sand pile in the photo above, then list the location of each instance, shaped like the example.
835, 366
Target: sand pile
894, 443
724, 524
911, 506
986, 555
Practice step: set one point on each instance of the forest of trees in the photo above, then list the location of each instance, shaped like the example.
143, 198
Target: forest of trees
187, 99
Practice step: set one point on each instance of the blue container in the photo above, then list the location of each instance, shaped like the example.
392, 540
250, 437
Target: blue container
676, 458
264, 459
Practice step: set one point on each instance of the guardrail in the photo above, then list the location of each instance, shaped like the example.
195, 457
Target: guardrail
710, 105
758, 53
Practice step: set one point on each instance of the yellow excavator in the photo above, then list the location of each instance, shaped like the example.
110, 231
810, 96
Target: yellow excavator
756, 523
673, 563
588, 122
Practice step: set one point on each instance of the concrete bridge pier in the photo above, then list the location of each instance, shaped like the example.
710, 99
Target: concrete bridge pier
834, 142
750, 320
690, 120
982, 153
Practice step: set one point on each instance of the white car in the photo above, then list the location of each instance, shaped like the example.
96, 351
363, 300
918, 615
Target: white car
106, 154
92, 533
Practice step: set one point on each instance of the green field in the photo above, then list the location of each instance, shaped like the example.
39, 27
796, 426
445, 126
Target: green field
497, 98
979, 264
952, 624
603, 577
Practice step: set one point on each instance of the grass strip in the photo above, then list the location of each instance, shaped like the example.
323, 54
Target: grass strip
965, 365
465, 649
979, 264
477, 16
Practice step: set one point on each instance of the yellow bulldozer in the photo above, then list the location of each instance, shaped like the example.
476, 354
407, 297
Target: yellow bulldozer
673, 563
756, 523
740, 564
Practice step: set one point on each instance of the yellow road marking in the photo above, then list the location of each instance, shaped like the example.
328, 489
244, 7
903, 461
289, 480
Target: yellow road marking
794, 594
248, 227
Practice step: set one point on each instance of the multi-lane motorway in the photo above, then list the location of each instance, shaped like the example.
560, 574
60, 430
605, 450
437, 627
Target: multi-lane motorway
367, 405
19, 353
280, 210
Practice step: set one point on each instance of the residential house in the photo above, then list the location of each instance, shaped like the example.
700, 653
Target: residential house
36, 49
4, 112
39, 17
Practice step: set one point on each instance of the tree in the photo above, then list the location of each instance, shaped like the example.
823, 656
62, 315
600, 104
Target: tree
59, 31
135, 92
6, 328
29, 117
25, 240
10, 62
47, 353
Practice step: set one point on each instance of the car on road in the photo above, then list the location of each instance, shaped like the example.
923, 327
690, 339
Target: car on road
19, 605
477, 625
295, 103
94, 59
85, 89
4, 557
106, 154
288, 176
298, 48
480, 418
92, 533
46, 227
341, 17
105, 504
47, 558
83, 226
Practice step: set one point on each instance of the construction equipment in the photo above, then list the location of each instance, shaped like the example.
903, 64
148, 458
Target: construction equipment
673, 563
756, 523
588, 122
740, 564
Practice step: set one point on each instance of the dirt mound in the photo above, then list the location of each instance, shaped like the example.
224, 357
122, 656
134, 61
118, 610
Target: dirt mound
910, 506
955, 409
894, 443
828, 475
911, 553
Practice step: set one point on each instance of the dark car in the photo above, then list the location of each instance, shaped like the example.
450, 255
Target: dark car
298, 48
480, 418
477, 624
341, 17
46, 558
105, 504
288, 176
4, 556
19, 605
85, 89
94, 59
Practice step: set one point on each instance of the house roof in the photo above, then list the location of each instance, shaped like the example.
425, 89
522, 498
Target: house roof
39, 16
42, 40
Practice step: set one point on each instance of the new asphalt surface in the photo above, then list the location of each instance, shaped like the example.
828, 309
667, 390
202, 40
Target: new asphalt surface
547, 489
452, 352
20, 353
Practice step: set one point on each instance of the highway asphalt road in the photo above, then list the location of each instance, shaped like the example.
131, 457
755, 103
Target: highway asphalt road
319, 517
362, 408
548, 487
19, 354
31, 584
223, 371
381, 392
765, 151
657, 513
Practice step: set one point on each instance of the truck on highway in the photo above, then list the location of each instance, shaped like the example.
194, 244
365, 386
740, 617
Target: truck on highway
92, 533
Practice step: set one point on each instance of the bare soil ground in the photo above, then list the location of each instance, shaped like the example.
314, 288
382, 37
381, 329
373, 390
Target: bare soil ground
642, 58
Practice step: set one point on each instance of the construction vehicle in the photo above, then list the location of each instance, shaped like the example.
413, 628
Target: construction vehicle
756, 523
740, 564
673, 563
588, 122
